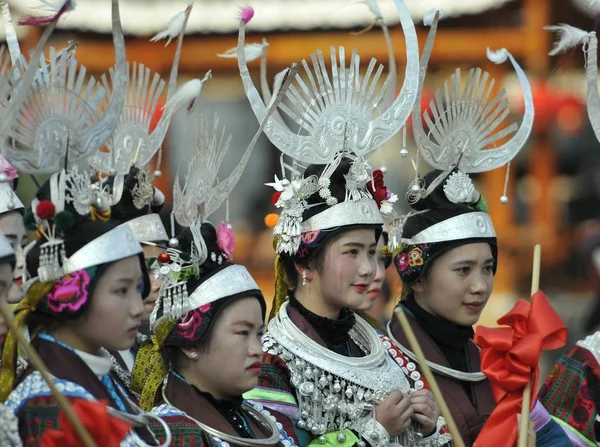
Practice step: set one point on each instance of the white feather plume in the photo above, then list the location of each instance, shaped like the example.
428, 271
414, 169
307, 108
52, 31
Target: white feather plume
252, 51
56, 5
174, 27
186, 94
568, 37
498, 56
374, 7
428, 18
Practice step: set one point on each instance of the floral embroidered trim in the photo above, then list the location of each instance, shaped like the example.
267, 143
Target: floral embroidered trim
70, 292
191, 321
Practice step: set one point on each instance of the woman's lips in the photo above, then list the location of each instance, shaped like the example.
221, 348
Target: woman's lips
475, 306
361, 288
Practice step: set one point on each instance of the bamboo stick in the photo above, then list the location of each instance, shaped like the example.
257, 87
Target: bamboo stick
38, 364
525, 407
435, 389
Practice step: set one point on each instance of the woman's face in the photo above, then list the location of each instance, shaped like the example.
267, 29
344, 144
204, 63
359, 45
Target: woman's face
6, 277
151, 252
11, 225
347, 272
115, 312
458, 284
375, 288
232, 363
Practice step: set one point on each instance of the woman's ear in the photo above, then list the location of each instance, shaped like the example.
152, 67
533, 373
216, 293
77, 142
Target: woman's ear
190, 353
304, 271
417, 287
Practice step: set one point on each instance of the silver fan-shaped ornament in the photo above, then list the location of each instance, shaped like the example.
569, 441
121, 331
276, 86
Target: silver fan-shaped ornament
326, 104
132, 140
61, 117
464, 119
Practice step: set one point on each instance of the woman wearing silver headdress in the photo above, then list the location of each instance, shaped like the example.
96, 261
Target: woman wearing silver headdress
326, 373
445, 249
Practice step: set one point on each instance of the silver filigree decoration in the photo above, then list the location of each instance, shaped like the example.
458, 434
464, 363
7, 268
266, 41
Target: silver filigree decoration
143, 191
459, 188
79, 190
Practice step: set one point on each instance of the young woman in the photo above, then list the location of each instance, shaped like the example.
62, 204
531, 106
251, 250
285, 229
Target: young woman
373, 308
212, 353
326, 372
138, 206
447, 261
84, 298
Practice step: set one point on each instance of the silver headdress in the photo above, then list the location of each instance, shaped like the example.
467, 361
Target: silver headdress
201, 195
463, 127
61, 118
132, 142
61, 124
339, 114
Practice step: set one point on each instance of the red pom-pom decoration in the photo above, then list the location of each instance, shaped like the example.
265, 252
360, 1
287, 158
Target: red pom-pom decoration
45, 210
163, 258
275, 197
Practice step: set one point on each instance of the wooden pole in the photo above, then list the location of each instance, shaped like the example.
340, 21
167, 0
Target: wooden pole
435, 389
535, 286
38, 364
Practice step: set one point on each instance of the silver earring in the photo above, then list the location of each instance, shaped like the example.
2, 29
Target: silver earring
303, 277
194, 355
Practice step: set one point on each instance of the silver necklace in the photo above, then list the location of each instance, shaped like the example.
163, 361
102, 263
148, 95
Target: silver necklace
443, 370
256, 415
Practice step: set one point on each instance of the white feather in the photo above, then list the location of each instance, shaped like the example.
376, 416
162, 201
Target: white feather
428, 18
498, 56
56, 5
568, 37
186, 94
174, 27
252, 51
374, 7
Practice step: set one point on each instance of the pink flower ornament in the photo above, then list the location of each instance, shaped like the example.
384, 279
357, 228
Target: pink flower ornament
226, 239
403, 261
70, 292
190, 322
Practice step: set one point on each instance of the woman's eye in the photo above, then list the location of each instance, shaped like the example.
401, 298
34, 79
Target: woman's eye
372, 253
489, 269
121, 292
353, 252
463, 270
260, 334
243, 333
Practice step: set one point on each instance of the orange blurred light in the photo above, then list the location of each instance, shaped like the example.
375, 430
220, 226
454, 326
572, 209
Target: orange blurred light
271, 220
569, 118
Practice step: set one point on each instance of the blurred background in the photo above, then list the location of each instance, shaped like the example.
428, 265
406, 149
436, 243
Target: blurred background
554, 183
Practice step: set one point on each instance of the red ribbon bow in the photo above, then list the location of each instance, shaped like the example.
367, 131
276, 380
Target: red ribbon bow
105, 430
510, 357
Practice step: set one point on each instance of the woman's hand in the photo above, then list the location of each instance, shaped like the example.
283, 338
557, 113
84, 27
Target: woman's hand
426, 411
394, 413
